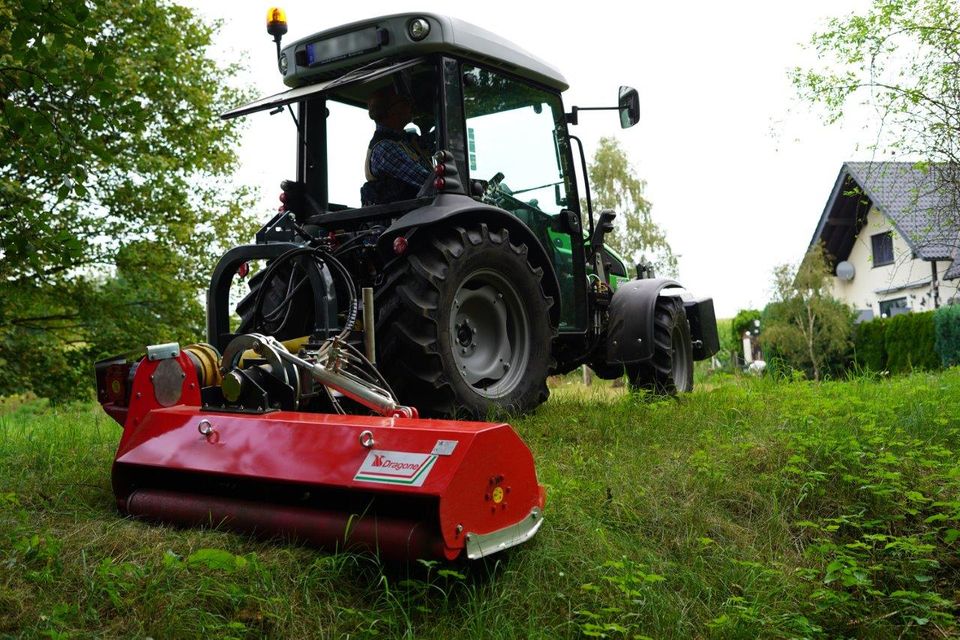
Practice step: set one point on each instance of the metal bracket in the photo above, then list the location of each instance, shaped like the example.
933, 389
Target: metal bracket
156, 352
480, 545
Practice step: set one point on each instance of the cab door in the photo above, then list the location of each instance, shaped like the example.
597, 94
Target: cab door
515, 141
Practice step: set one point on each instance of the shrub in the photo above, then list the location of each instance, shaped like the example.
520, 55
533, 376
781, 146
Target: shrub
946, 322
786, 340
870, 345
741, 323
910, 342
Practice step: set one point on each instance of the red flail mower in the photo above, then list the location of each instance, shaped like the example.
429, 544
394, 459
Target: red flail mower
213, 442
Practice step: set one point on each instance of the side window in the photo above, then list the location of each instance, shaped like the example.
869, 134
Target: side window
512, 129
348, 132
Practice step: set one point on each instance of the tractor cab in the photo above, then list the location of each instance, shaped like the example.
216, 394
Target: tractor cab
495, 108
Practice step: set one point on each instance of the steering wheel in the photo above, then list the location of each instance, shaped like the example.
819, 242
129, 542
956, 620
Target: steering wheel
493, 186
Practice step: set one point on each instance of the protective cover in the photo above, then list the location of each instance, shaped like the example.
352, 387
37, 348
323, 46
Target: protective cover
398, 487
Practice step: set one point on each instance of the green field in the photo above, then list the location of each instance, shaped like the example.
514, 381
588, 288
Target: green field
751, 509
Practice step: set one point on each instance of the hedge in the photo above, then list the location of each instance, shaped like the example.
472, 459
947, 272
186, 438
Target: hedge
947, 329
899, 344
910, 343
869, 343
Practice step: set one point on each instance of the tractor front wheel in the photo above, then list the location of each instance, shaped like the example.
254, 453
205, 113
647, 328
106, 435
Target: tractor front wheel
670, 371
463, 325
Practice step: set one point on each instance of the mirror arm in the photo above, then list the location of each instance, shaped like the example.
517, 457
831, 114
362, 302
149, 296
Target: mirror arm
573, 118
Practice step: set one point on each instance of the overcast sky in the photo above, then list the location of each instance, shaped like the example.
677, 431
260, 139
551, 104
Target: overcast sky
738, 171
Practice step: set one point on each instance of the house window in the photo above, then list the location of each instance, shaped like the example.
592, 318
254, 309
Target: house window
890, 308
882, 249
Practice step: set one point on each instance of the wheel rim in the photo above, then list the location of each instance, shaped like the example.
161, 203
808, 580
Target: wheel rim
489, 334
681, 363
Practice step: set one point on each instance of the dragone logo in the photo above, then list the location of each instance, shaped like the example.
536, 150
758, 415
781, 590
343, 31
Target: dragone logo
383, 461
396, 467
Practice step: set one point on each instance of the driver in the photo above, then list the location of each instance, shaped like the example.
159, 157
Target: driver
396, 165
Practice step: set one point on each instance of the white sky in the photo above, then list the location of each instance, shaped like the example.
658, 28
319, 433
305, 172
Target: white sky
738, 171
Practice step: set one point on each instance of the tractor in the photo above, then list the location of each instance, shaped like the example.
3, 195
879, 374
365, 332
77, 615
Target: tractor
490, 277
318, 409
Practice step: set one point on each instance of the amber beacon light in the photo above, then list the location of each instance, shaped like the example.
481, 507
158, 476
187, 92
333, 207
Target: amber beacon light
276, 22
276, 27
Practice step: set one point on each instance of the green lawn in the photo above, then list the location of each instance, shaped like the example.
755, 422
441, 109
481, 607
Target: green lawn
755, 508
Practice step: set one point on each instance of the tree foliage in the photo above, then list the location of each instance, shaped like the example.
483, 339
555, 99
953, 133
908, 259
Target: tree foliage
115, 199
743, 322
901, 58
615, 185
804, 325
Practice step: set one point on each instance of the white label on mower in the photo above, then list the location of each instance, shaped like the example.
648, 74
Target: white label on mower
396, 467
444, 447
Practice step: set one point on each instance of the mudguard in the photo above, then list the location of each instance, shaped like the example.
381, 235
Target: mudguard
447, 208
630, 329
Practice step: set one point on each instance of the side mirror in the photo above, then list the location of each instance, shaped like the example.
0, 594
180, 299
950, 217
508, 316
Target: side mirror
629, 107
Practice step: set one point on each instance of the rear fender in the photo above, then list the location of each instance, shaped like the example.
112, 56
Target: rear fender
456, 209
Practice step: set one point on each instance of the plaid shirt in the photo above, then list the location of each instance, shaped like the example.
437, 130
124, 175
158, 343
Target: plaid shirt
396, 159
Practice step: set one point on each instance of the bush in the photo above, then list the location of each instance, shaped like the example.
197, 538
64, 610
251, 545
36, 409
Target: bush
910, 343
870, 345
741, 323
946, 322
785, 344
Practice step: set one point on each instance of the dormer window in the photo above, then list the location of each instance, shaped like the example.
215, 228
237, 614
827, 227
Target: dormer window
882, 249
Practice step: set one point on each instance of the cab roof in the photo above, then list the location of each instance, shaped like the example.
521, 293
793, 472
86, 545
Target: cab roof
329, 54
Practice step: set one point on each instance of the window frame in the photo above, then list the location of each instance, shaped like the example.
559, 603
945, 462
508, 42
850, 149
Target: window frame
891, 304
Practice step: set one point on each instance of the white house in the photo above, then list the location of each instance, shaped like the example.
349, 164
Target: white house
892, 237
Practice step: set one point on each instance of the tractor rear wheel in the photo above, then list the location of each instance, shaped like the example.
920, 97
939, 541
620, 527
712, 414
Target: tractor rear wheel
670, 371
463, 325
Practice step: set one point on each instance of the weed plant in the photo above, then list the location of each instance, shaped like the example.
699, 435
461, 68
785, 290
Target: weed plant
758, 508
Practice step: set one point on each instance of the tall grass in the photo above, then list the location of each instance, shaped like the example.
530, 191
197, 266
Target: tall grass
759, 508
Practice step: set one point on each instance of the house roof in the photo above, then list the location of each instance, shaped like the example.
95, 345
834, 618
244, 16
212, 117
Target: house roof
925, 214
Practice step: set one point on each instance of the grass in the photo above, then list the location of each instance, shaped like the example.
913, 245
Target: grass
754, 509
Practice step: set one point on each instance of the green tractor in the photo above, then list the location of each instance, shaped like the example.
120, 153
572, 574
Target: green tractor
487, 277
